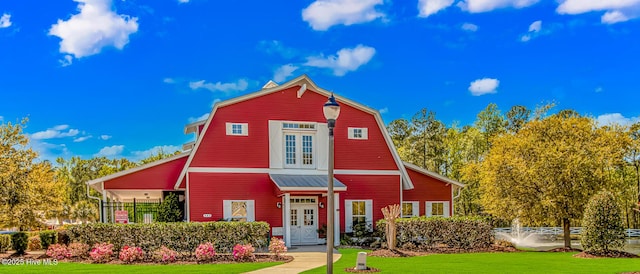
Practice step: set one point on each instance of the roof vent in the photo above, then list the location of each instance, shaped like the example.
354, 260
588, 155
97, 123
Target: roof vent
270, 84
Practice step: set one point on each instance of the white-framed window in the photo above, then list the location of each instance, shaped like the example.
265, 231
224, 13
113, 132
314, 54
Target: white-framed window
410, 209
237, 129
358, 133
298, 126
239, 210
358, 212
437, 208
299, 151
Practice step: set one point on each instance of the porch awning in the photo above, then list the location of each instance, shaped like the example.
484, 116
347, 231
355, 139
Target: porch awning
288, 182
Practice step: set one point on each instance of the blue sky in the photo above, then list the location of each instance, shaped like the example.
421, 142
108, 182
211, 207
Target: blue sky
122, 78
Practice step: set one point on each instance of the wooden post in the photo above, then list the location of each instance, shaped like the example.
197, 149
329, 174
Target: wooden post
391, 213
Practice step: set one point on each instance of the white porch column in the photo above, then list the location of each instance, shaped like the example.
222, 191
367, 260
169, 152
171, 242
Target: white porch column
113, 208
336, 220
104, 205
286, 220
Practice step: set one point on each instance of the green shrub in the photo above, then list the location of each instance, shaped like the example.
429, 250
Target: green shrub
34, 243
48, 237
181, 237
602, 225
19, 242
428, 232
63, 236
5, 242
169, 209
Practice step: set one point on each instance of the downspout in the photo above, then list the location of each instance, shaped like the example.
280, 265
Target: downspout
97, 198
453, 200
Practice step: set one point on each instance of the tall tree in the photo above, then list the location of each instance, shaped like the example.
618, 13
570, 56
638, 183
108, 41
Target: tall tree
549, 169
517, 116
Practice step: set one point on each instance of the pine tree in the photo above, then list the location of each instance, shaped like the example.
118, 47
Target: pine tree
602, 226
169, 209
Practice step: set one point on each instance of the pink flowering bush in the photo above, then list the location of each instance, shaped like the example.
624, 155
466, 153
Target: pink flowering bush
58, 251
129, 254
277, 246
166, 255
78, 250
101, 253
205, 252
243, 252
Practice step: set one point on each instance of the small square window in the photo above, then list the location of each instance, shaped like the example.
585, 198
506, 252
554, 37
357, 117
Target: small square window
238, 129
358, 133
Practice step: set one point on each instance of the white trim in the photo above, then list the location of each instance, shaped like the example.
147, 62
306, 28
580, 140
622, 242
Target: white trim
348, 213
193, 127
364, 132
244, 129
311, 188
227, 170
365, 172
286, 214
292, 171
433, 175
415, 208
301, 80
445, 208
336, 219
250, 204
188, 146
136, 169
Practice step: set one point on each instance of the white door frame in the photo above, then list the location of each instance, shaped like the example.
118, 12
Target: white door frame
299, 206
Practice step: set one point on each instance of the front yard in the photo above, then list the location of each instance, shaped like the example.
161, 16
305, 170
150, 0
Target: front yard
500, 262
138, 269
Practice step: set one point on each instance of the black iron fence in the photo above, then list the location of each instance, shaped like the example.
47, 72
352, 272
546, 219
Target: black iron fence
133, 211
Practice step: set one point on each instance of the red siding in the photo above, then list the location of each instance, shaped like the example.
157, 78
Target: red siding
208, 190
162, 176
427, 188
384, 190
220, 150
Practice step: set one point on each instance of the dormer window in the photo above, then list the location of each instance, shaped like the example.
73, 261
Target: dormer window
299, 144
358, 133
237, 129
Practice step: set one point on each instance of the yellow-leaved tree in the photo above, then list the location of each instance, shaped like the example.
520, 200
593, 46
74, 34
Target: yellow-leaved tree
546, 171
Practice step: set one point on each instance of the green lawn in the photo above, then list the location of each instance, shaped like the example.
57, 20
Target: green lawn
138, 269
515, 262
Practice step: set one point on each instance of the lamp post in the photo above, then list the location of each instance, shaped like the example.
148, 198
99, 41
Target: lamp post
331, 111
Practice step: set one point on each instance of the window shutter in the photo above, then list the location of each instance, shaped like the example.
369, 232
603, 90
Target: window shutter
428, 209
226, 209
348, 216
351, 131
322, 146
365, 133
445, 209
368, 205
416, 209
275, 144
251, 212
229, 127
245, 129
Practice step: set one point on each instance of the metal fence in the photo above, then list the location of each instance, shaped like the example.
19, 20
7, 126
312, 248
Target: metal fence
137, 211
630, 232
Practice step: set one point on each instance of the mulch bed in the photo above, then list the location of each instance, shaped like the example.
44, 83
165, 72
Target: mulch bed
438, 250
610, 254
368, 270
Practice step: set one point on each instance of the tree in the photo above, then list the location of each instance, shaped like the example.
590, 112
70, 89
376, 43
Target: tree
29, 188
546, 171
517, 116
85, 211
169, 210
602, 227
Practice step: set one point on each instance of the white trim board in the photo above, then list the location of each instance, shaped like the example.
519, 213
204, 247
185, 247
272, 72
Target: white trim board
291, 171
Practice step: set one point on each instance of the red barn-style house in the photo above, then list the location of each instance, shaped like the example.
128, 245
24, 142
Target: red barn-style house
264, 157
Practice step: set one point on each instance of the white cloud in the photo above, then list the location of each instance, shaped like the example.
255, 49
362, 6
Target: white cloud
49, 151
1, 119
347, 59
475, 6
484, 86
469, 27
67, 60
111, 151
430, 7
615, 118
384, 110
239, 85
55, 132
534, 31
183, 1
169, 80
283, 72
599, 89
200, 118
105, 137
277, 47
5, 21
94, 28
139, 155
323, 14
616, 10
82, 139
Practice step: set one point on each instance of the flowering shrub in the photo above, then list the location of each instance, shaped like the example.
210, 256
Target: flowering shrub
277, 246
243, 252
166, 255
101, 253
58, 251
78, 250
129, 254
35, 243
205, 252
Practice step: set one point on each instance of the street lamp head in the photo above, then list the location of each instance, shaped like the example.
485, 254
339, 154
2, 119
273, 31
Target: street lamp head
331, 109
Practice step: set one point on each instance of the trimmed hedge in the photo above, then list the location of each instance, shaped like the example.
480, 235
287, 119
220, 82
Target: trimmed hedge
48, 237
19, 241
454, 232
5, 242
181, 237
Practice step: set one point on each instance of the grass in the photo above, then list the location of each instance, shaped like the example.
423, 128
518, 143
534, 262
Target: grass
514, 262
138, 269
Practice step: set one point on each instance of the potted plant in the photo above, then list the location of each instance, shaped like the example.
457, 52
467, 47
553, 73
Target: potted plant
322, 234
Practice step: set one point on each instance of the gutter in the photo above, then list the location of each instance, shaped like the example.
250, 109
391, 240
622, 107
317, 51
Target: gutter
99, 202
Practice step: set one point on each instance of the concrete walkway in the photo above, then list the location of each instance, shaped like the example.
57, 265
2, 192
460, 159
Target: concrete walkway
304, 258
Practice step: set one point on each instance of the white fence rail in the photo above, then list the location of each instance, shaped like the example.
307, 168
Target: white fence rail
630, 232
